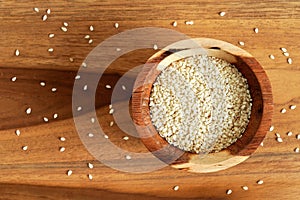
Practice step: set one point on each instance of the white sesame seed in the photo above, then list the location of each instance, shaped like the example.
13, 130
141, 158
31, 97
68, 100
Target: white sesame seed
116, 25
84, 65
259, 182
66, 24
42, 83
50, 50
189, 22
279, 139
111, 123
71, 59
13, 79
90, 176
45, 119
62, 149
77, 77
90, 165
25, 148
283, 49
255, 30
128, 157
108, 86
297, 150
176, 188
106, 136
48, 11
90, 41
174, 23
91, 28
87, 37
271, 128
55, 115
289, 61
228, 191
85, 87
155, 47
18, 132
91, 135
36, 10
271, 56
283, 110
222, 14
64, 29
62, 139
79, 108
28, 111
111, 111
289, 133
93, 120
45, 17
51, 35
53, 89
298, 136
277, 135
245, 187
125, 138
286, 54
262, 144
69, 172
110, 106
293, 107
123, 87
118, 49
17, 52
241, 43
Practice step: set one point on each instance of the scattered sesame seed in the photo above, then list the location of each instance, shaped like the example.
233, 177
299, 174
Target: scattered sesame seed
128, 157
85, 87
53, 89
118, 49
283, 110
87, 37
289, 61
64, 29
289, 133
189, 22
176, 188
93, 120
25, 148
18, 132
50, 50
69, 172
28, 111
111, 123
222, 14
123, 87
91, 28
91, 135
90, 41
245, 187
262, 144
66, 24
17, 52
297, 150
55, 115
62, 149
174, 23
241, 43
13, 79
51, 35
271, 128
286, 54
79, 108
84, 65
77, 77
116, 25
125, 138
293, 107
42, 83
62, 139
90, 176
48, 11
71, 59
45, 17
298, 136
228, 191
111, 111
90, 165
108, 86
272, 57
155, 47
106, 136
279, 139
277, 134
259, 182
45, 119
283, 49
110, 106
255, 30
36, 10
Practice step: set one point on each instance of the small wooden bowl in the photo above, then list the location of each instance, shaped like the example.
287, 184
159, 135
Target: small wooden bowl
260, 119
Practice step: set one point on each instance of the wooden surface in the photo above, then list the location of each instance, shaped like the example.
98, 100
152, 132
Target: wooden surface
40, 172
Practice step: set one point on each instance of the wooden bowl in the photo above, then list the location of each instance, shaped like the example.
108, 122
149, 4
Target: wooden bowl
259, 123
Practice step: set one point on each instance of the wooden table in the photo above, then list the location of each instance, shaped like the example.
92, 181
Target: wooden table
40, 172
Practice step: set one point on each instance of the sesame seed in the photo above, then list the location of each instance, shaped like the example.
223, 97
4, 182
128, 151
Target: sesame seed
17, 52
293, 107
84, 65
45, 17
174, 23
110, 106
283, 49
90, 41
28, 111
36, 10
298, 136
286, 54
106, 136
222, 14
77, 77
93, 120
271, 128
259, 182
128, 157
91, 135
116, 25
66, 24
277, 134
18, 132
64, 29
45, 119
62, 149
279, 139
25, 148
69, 172
189, 22
90, 176
289, 61
13, 79
118, 49
272, 57
125, 138
228, 191
245, 187
283, 110
79, 108
176, 188
241, 43
111, 123
123, 87
53, 89
90, 165
297, 150
91, 28
108, 86
62, 139
48, 11
255, 30
71, 59
51, 35
262, 144
111, 111
42, 83
87, 37
289, 133
85, 87
50, 50
55, 115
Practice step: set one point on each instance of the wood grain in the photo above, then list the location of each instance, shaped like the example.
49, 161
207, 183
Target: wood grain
39, 173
